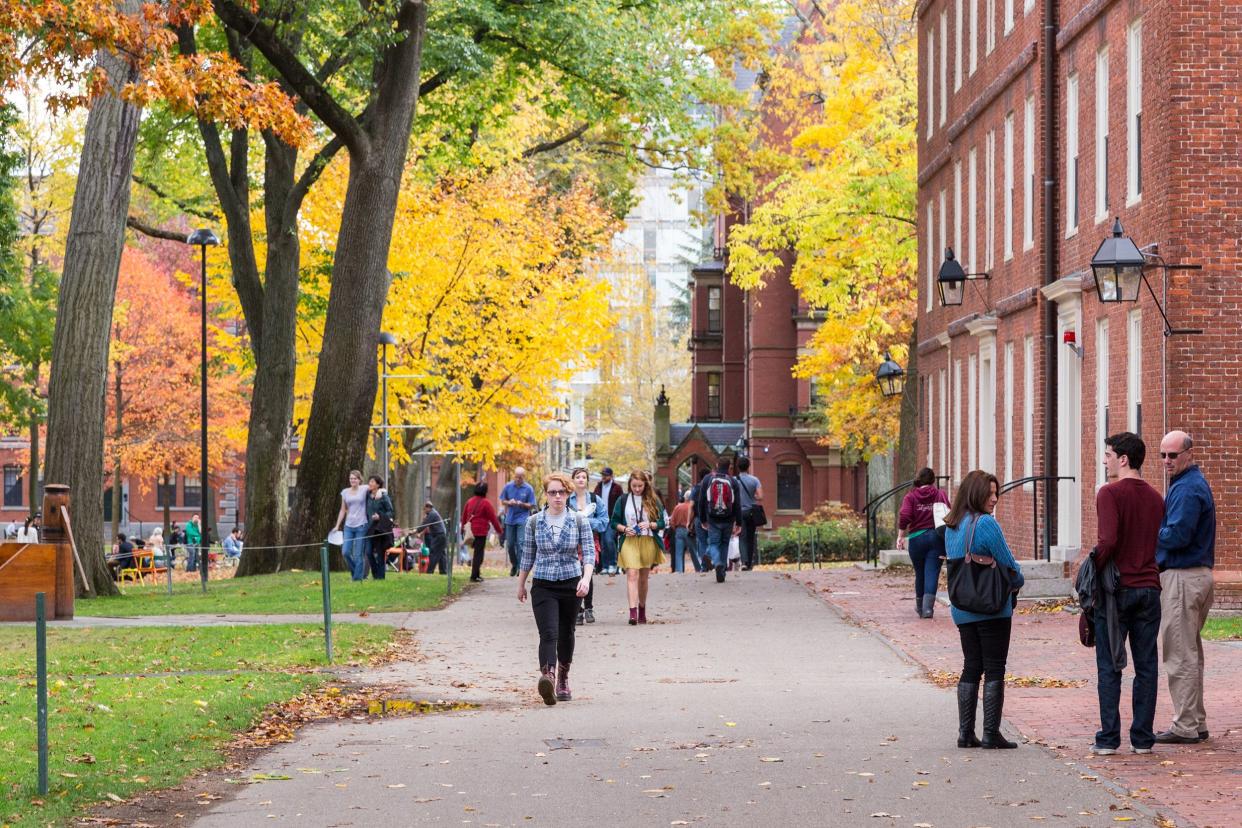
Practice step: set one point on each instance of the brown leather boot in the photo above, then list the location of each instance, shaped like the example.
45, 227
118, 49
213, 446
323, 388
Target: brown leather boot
547, 684
562, 683
642, 614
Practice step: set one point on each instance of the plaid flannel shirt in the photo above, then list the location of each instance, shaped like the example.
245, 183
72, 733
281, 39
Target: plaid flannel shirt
557, 560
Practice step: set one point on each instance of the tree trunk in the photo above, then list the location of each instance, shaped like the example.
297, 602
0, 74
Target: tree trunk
79, 365
345, 383
36, 502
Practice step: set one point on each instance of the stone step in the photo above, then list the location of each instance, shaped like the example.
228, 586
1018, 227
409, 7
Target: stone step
894, 557
1038, 588
1032, 570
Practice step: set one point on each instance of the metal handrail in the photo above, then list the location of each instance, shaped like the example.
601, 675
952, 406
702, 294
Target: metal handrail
1035, 478
869, 512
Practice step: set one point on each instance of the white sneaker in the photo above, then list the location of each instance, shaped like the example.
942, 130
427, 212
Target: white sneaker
1142, 750
1103, 751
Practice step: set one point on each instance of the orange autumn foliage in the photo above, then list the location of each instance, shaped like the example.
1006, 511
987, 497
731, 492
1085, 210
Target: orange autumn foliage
156, 348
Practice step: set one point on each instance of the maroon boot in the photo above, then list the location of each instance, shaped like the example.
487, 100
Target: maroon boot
633, 616
562, 683
642, 614
547, 684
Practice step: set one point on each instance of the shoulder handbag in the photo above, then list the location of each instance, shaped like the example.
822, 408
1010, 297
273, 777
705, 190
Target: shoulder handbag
976, 583
468, 532
757, 515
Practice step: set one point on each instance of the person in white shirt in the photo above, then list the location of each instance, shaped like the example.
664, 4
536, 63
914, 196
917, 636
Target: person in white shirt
30, 532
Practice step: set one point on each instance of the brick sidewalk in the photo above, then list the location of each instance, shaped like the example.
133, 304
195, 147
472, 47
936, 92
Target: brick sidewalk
1198, 785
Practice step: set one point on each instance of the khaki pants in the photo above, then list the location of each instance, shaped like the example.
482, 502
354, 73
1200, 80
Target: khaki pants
1185, 598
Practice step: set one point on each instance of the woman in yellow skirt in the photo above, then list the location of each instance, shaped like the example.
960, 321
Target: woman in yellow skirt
638, 518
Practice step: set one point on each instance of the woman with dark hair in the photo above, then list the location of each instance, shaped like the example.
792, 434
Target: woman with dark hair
480, 514
559, 549
971, 529
638, 518
593, 508
916, 529
380, 516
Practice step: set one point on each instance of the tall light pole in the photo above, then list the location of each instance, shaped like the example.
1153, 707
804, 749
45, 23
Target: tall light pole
202, 238
385, 339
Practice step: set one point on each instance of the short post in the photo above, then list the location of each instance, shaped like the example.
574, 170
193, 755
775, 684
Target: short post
799, 535
327, 600
41, 691
169, 559
204, 553
814, 553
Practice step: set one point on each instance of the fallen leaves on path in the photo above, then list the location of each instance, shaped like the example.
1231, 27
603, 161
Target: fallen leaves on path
944, 678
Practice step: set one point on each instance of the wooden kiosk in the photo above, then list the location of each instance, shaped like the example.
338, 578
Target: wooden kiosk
29, 568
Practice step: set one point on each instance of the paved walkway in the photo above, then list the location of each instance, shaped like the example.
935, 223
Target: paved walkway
1200, 784
746, 703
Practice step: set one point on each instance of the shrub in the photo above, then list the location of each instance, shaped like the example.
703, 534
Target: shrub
841, 539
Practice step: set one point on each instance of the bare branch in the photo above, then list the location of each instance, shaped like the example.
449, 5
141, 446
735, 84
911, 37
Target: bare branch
547, 146
135, 223
180, 204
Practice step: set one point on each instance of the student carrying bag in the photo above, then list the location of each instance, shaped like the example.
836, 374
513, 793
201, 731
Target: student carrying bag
976, 582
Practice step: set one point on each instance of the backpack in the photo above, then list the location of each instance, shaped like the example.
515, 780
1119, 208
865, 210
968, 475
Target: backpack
720, 497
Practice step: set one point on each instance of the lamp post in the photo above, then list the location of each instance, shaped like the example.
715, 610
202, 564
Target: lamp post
203, 238
890, 377
385, 339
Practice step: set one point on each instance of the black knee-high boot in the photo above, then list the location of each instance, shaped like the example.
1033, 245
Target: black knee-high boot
967, 702
993, 708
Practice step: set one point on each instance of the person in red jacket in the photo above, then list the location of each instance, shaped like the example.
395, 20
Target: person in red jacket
916, 528
481, 515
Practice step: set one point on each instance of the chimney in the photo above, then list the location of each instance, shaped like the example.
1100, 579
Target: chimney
662, 428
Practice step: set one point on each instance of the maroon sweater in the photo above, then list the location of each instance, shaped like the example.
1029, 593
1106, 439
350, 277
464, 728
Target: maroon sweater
1129, 512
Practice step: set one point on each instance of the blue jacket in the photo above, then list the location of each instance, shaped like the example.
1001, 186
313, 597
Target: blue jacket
1188, 533
988, 540
599, 518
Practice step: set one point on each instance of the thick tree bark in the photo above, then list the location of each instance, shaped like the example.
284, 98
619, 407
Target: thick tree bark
79, 365
346, 380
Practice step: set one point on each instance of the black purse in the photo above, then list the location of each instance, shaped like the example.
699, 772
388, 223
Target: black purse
976, 583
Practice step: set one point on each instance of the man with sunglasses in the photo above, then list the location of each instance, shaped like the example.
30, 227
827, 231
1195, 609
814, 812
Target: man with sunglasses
1185, 554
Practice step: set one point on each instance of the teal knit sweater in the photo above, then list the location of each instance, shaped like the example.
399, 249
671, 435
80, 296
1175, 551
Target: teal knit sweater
988, 540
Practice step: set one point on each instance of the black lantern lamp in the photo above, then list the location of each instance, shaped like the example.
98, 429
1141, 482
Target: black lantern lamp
952, 279
890, 377
1118, 267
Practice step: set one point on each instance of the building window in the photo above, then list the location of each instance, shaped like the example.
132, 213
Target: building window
989, 201
944, 422
944, 66
1008, 412
944, 225
1101, 398
1071, 156
989, 26
1028, 174
1028, 408
649, 244
931, 255
714, 295
713, 395
957, 419
1008, 17
957, 209
788, 487
957, 47
1101, 135
987, 408
931, 83
1008, 183
972, 202
972, 413
1027, 6
12, 486
1134, 111
166, 491
930, 389
974, 35
1134, 373
191, 493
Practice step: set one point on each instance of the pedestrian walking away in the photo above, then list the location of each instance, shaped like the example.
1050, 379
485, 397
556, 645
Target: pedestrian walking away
478, 516
700, 534
1185, 556
639, 521
680, 522
517, 498
916, 531
380, 517
972, 531
352, 522
194, 540
591, 507
1128, 515
718, 510
750, 492
435, 536
610, 490
559, 550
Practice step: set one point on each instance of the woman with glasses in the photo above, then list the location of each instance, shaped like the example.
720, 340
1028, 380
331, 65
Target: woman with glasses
592, 507
559, 548
638, 519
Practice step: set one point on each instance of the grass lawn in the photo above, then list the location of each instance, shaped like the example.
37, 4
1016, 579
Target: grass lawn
1223, 628
111, 733
284, 592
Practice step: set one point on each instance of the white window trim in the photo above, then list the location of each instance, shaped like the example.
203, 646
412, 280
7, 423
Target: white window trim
957, 46
989, 26
989, 201
957, 419
944, 66
1027, 6
944, 226
974, 35
931, 420
957, 209
1134, 368
1101, 135
987, 405
1134, 111
972, 200
1008, 26
944, 422
1028, 409
931, 254
931, 83
1072, 199
1007, 193
1028, 173
1102, 368
972, 411
1008, 412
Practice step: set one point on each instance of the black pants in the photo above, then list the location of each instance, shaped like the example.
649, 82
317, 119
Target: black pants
555, 604
480, 543
985, 649
435, 557
377, 553
750, 547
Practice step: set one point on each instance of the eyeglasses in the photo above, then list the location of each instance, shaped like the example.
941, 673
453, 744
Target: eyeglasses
1172, 455
556, 492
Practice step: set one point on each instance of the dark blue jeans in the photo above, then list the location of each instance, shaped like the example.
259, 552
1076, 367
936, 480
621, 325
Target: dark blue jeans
1139, 614
925, 552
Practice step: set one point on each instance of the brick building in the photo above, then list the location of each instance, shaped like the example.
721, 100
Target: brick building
1039, 122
